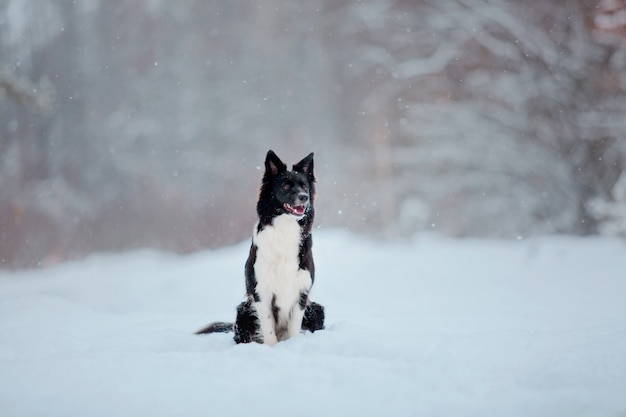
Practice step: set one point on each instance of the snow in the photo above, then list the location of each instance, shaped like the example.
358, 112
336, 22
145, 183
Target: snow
433, 327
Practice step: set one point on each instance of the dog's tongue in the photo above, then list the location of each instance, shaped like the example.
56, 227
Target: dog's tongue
297, 210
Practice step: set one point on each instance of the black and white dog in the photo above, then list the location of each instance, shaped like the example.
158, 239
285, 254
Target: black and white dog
280, 269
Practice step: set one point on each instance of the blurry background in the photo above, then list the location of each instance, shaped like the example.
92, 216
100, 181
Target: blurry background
126, 124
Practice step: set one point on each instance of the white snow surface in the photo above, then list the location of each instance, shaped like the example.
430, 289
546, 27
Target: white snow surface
432, 327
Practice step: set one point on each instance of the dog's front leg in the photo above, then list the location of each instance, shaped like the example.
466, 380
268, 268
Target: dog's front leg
295, 321
296, 315
266, 321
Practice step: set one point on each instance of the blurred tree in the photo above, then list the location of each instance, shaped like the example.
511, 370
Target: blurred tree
493, 115
470, 117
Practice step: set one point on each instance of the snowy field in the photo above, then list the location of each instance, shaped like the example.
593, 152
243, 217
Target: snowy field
435, 327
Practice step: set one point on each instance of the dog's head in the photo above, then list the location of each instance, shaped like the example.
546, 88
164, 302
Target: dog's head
285, 191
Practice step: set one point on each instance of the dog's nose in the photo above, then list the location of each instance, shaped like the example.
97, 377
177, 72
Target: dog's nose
303, 198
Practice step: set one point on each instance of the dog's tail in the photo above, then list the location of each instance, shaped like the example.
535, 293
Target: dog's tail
217, 327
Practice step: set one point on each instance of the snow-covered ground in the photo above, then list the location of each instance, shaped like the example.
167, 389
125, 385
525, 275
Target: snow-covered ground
434, 327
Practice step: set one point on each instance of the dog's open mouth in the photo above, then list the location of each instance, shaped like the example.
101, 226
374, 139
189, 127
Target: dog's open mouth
297, 210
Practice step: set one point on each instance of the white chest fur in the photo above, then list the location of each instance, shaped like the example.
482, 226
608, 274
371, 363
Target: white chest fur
277, 267
277, 271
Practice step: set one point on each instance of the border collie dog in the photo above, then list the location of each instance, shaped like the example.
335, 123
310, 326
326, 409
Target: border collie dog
279, 270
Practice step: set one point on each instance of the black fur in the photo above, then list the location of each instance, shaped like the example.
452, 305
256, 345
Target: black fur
217, 327
282, 191
313, 317
247, 324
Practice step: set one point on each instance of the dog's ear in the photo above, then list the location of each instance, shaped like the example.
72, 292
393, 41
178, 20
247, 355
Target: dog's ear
273, 164
305, 166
